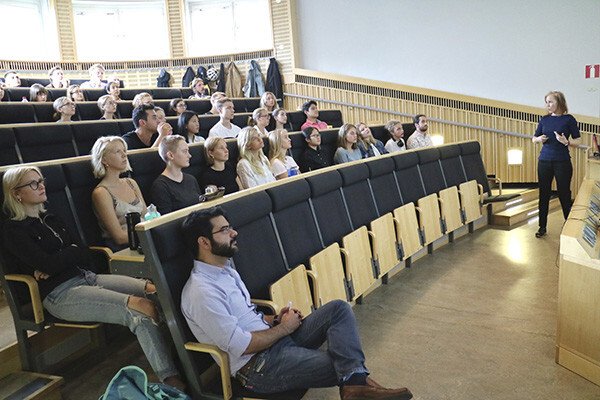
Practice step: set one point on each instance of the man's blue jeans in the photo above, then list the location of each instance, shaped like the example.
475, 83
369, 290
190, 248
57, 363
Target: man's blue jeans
295, 362
103, 298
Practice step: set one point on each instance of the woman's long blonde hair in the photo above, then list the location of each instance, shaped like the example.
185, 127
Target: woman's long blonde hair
11, 179
256, 158
276, 150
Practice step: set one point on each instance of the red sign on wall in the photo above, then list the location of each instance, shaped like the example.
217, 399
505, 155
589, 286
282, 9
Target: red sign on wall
592, 71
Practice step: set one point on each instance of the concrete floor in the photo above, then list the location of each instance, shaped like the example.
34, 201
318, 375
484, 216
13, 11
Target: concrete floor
475, 320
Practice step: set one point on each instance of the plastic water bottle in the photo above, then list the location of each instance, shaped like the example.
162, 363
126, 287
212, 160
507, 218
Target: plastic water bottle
151, 213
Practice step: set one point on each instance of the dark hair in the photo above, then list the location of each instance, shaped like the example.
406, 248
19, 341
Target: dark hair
139, 113
418, 117
183, 121
173, 104
307, 105
198, 224
107, 87
306, 132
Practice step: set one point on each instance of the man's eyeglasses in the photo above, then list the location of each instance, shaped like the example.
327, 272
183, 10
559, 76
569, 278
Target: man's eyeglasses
225, 229
34, 185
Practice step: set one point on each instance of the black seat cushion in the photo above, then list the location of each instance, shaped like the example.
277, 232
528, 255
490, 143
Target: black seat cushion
431, 170
357, 193
452, 165
54, 141
384, 185
409, 177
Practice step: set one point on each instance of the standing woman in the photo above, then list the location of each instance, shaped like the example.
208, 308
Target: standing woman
188, 126
253, 168
41, 246
114, 197
347, 145
556, 131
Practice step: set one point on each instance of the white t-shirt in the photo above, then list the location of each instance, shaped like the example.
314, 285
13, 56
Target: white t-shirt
220, 131
392, 146
249, 178
278, 167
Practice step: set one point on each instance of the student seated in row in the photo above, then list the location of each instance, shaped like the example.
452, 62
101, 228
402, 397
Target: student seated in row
188, 126
368, 145
199, 89
253, 168
96, 72
142, 98
268, 101
220, 172
108, 107
279, 115
39, 245
114, 90
11, 79
114, 197
57, 78
64, 109
347, 145
214, 98
38, 93
2, 91
311, 111
314, 157
282, 164
177, 106
396, 142
75, 94
260, 119
225, 128
149, 132
174, 189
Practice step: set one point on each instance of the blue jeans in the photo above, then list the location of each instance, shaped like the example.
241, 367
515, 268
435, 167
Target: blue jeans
103, 298
295, 361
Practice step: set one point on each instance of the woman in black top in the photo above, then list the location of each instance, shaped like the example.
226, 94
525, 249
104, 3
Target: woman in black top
314, 157
219, 173
39, 245
173, 189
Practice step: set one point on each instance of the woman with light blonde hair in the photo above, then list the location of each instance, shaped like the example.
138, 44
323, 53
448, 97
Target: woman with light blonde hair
220, 172
253, 168
107, 106
114, 197
260, 119
174, 189
41, 247
142, 98
96, 72
75, 94
64, 109
282, 164
268, 101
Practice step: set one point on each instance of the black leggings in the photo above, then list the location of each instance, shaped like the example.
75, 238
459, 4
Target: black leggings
562, 171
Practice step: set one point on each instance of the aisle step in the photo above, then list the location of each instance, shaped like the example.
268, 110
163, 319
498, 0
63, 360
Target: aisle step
520, 212
23, 385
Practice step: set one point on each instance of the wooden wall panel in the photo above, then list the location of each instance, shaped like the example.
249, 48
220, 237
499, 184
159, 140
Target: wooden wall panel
66, 30
174, 11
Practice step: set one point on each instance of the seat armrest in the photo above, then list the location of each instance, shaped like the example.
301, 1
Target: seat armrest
107, 252
223, 361
266, 303
34, 294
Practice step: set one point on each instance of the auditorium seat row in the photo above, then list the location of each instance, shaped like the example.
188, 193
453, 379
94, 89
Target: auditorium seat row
290, 221
17, 113
46, 141
17, 94
328, 220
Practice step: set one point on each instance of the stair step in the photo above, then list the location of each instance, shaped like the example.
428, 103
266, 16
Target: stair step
525, 197
520, 212
30, 386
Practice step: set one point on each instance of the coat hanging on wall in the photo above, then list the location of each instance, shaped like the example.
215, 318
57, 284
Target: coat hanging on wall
233, 81
164, 78
221, 83
255, 86
274, 82
188, 77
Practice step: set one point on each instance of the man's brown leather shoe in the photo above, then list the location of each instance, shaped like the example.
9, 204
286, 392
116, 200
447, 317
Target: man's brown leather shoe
360, 392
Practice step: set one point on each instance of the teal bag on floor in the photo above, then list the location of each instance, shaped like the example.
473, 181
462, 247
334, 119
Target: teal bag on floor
131, 383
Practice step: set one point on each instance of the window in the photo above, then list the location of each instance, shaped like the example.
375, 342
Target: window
227, 26
28, 30
111, 30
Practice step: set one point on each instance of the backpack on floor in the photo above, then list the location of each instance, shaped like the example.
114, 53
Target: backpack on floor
131, 383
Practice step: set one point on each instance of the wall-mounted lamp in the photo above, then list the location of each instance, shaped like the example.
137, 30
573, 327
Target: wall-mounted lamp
437, 140
515, 157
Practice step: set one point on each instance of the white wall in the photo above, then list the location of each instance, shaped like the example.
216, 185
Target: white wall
509, 50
